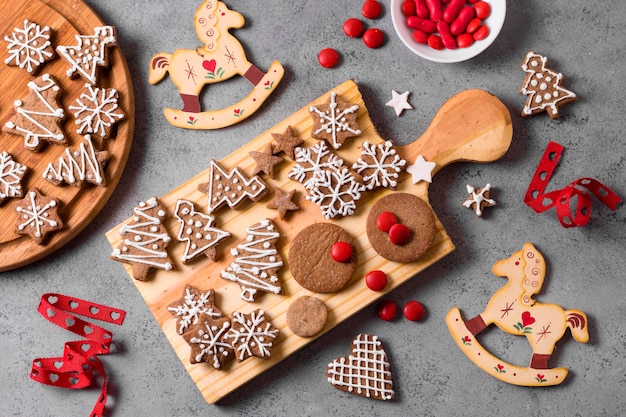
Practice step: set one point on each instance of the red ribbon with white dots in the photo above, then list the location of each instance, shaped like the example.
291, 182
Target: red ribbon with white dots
540, 201
75, 368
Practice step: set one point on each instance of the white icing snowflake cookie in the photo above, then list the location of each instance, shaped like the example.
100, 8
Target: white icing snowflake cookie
37, 216
335, 121
191, 305
379, 165
365, 372
251, 335
11, 176
208, 341
97, 111
89, 53
29, 47
78, 166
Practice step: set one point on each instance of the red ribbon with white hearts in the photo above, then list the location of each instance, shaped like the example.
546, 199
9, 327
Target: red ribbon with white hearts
75, 368
540, 201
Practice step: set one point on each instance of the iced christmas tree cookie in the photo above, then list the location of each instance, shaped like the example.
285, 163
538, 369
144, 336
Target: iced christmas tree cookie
89, 53
37, 216
29, 47
78, 166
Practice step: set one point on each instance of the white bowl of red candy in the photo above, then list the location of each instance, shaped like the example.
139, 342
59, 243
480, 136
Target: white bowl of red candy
448, 30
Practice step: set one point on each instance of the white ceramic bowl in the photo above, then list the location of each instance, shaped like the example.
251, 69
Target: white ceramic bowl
494, 22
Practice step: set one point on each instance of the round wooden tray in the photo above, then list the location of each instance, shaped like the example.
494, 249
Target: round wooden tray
80, 205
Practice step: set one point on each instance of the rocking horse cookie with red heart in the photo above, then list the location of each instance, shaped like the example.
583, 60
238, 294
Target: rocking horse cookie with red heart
220, 58
513, 309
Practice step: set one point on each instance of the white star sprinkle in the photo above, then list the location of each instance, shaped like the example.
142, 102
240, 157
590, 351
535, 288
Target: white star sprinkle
421, 170
399, 102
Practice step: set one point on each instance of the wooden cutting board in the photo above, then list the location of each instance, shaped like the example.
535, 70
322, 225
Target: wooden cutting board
66, 18
471, 126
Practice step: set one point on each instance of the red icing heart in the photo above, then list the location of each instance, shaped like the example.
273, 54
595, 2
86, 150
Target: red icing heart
527, 319
209, 65
500, 367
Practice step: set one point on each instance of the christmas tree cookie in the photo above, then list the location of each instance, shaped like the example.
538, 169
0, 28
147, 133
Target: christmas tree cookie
85, 164
89, 53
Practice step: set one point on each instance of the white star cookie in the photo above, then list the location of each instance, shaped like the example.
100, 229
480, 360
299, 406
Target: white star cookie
399, 102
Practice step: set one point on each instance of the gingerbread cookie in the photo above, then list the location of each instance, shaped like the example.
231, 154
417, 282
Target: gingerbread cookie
366, 371
415, 229
311, 262
543, 86
85, 164
251, 335
379, 165
191, 306
97, 111
38, 116
208, 341
29, 47
37, 216
283, 202
146, 240
89, 53
11, 175
335, 121
306, 316
265, 161
479, 199
286, 142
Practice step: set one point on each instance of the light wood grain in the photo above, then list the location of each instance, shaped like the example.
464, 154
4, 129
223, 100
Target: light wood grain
473, 125
66, 18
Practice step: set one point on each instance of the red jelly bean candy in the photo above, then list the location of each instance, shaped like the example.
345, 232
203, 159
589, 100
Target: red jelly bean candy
460, 24
353, 27
465, 40
483, 9
420, 36
371, 9
385, 220
473, 25
414, 310
373, 38
387, 310
481, 33
341, 252
399, 234
446, 37
421, 10
435, 10
408, 8
452, 10
328, 57
376, 280
434, 41
426, 25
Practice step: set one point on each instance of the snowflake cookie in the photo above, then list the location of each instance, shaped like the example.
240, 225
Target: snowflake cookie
208, 341
365, 372
191, 306
257, 261
196, 228
97, 111
38, 116
251, 335
85, 164
29, 47
145, 240
379, 165
335, 121
89, 53
11, 175
37, 216
479, 199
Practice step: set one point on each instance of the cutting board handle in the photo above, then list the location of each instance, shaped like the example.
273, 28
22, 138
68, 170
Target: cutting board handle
472, 125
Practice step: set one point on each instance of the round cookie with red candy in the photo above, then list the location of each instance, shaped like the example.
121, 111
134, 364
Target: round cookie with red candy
311, 260
418, 227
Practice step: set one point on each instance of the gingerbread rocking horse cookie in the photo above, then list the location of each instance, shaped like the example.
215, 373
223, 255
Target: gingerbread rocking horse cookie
220, 58
513, 309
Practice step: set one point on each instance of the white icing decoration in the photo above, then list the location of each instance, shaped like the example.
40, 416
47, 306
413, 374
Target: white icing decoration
35, 215
96, 110
189, 313
365, 371
249, 269
198, 241
89, 52
534, 65
336, 193
216, 199
76, 166
478, 198
11, 174
319, 158
333, 121
250, 333
29, 47
383, 160
156, 258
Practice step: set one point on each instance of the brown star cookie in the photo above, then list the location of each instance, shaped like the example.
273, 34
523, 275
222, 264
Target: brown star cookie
251, 335
194, 303
283, 202
265, 161
335, 121
208, 341
37, 216
479, 199
286, 142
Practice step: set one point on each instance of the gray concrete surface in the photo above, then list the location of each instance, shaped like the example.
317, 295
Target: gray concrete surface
583, 39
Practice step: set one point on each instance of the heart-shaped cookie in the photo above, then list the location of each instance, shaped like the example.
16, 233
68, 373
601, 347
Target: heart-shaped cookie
365, 371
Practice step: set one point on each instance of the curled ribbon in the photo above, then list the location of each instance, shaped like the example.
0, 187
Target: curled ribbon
75, 368
540, 201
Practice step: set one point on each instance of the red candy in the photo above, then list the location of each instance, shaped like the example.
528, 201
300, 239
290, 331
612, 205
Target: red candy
435, 10
353, 27
399, 234
385, 220
446, 36
421, 10
376, 280
414, 310
426, 25
473, 25
328, 57
465, 40
434, 41
481, 33
371, 9
420, 36
408, 8
452, 10
373, 38
387, 310
341, 252
460, 24
483, 9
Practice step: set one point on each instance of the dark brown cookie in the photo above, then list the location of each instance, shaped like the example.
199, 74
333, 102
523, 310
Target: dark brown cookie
410, 211
306, 316
310, 258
